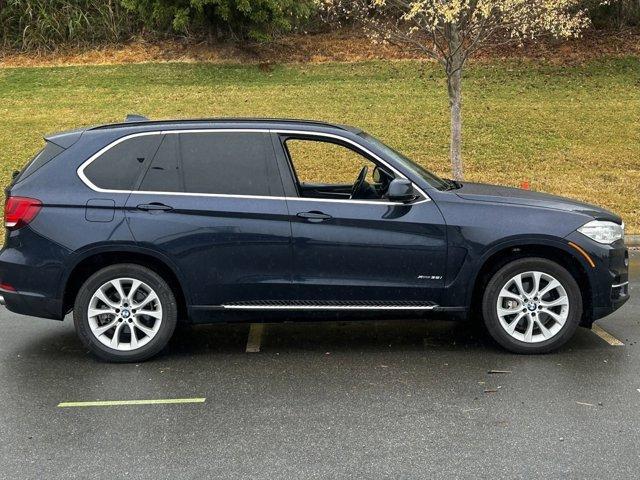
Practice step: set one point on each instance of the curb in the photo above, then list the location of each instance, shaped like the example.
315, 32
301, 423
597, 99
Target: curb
632, 240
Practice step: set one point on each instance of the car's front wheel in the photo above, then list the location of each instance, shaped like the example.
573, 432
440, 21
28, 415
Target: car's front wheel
125, 313
532, 305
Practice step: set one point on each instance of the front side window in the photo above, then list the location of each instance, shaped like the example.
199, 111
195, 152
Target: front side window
324, 169
119, 167
232, 163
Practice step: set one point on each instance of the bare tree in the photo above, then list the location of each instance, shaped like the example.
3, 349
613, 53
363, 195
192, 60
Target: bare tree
450, 31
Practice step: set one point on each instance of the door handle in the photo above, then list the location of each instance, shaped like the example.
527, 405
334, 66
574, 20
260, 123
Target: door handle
154, 207
315, 216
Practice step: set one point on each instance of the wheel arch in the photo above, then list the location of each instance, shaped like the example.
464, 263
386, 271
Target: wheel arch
555, 251
93, 260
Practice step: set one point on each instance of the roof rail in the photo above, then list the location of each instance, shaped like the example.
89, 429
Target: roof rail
140, 119
134, 117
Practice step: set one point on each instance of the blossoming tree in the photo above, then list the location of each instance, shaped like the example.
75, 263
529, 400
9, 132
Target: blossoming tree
450, 31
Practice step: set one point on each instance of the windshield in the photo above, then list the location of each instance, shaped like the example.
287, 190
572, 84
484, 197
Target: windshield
431, 178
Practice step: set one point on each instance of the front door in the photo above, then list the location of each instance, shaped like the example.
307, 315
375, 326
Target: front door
355, 247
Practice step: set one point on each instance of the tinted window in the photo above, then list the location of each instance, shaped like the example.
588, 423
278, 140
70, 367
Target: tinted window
49, 151
119, 167
164, 173
235, 163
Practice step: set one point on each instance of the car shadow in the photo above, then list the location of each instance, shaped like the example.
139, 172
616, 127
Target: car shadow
336, 336
343, 336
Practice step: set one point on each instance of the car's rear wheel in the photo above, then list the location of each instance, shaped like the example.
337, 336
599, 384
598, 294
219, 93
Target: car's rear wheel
532, 305
125, 313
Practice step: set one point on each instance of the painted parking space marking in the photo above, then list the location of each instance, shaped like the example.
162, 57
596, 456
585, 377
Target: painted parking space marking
606, 336
255, 337
114, 403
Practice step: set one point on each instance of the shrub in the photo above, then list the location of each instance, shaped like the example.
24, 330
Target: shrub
46, 24
615, 13
237, 19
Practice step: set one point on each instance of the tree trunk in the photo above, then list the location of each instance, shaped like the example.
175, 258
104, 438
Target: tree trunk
455, 103
454, 85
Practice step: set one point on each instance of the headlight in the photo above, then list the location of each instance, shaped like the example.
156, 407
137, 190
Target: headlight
602, 231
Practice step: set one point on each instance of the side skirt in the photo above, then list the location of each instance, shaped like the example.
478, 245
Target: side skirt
303, 312
330, 305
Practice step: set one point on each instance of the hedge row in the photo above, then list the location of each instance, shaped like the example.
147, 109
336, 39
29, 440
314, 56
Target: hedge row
48, 24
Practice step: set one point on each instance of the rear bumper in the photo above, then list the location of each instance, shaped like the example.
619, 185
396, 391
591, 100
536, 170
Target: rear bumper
30, 269
32, 304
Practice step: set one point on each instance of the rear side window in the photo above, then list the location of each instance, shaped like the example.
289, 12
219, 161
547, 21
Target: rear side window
119, 167
49, 151
233, 163
163, 174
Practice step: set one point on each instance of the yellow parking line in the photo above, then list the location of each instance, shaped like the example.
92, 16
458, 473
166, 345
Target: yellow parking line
255, 337
606, 336
113, 403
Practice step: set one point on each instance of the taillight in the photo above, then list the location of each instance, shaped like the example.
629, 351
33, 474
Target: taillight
19, 211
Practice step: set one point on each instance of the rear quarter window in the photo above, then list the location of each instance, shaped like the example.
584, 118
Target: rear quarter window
119, 167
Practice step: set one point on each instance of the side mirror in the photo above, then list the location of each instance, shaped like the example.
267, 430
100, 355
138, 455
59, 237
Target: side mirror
401, 190
376, 175
379, 175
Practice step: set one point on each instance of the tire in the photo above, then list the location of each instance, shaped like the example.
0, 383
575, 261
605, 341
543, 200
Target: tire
544, 323
123, 314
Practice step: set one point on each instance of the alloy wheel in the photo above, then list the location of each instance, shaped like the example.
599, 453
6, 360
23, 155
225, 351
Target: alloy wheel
532, 307
125, 314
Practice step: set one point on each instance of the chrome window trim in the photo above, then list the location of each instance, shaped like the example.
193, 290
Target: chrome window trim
357, 146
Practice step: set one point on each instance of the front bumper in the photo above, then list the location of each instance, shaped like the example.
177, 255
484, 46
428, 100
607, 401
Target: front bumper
608, 277
619, 296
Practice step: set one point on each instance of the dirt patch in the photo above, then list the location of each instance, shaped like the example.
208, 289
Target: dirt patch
344, 46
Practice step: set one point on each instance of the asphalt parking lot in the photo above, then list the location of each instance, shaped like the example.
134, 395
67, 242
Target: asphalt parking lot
395, 399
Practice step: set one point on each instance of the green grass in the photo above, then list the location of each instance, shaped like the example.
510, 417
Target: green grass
570, 130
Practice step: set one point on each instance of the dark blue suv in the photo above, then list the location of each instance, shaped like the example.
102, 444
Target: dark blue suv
140, 225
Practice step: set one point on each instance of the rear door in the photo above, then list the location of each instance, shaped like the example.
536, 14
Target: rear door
212, 201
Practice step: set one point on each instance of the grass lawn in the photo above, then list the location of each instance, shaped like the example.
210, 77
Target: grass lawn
570, 130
